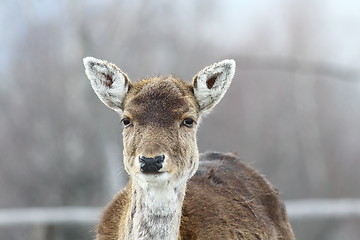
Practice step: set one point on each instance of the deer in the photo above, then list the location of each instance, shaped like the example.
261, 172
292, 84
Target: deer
173, 192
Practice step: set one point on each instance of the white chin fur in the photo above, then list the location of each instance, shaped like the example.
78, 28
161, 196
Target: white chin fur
152, 180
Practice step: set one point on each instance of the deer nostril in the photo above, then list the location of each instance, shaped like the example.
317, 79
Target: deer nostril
159, 159
144, 159
152, 164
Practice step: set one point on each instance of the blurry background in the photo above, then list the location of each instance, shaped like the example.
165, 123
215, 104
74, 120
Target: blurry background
293, 109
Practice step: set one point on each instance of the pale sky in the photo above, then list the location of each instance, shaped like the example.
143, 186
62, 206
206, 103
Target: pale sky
338, 38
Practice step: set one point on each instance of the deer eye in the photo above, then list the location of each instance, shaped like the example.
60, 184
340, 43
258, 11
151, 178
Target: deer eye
188, 122
126, 122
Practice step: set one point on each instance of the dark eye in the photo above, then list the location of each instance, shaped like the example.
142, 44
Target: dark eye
188, 122
126, 121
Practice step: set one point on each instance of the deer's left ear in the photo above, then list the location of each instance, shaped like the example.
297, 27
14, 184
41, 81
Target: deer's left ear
211, 84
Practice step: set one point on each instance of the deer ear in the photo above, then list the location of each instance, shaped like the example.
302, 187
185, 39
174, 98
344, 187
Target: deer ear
211, 84
109, 82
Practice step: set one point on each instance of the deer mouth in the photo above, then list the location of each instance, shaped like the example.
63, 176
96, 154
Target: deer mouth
154, 178
153, 173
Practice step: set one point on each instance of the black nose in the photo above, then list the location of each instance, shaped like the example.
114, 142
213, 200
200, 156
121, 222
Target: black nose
152, 164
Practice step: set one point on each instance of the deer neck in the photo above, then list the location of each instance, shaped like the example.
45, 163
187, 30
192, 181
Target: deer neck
155, 211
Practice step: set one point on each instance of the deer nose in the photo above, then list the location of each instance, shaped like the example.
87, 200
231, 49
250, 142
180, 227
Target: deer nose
151, 164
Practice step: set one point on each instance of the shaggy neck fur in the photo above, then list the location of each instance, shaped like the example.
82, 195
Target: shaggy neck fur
155, 211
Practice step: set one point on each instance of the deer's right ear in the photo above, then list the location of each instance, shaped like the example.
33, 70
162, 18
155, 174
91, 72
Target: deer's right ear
108, 81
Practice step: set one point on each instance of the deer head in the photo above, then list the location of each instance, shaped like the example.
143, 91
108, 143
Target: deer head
160, 117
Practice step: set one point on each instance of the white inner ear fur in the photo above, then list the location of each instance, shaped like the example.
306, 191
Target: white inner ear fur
211, 84
108, 81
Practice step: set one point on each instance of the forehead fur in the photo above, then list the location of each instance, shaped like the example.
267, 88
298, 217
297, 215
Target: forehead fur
160, 100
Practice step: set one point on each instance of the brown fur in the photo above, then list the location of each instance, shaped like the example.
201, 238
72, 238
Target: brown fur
228, 200
224, 199
157, 106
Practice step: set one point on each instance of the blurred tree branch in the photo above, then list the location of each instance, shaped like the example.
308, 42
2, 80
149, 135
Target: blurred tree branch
297, 66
